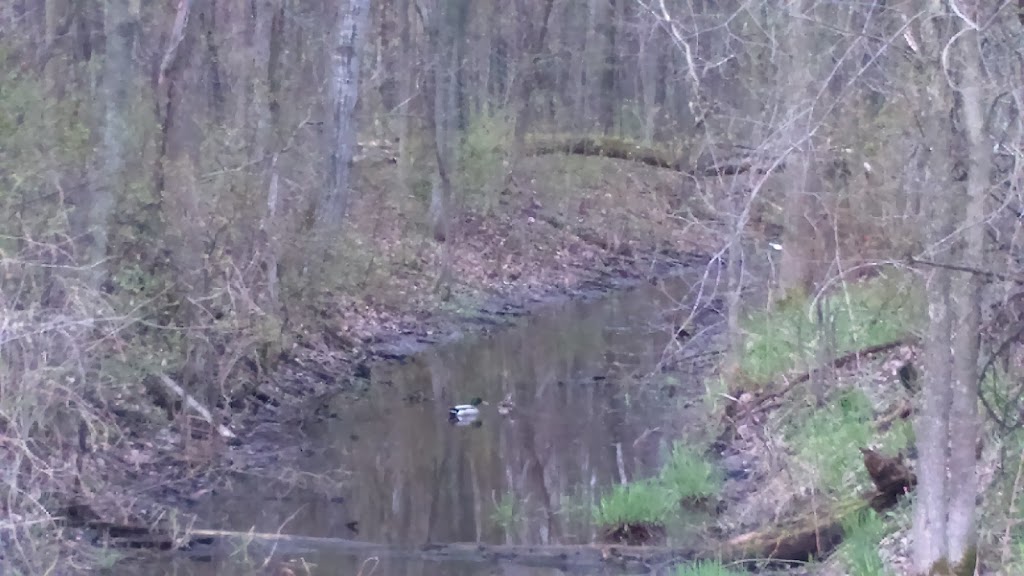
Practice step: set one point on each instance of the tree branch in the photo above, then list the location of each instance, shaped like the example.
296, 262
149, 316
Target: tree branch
912, 261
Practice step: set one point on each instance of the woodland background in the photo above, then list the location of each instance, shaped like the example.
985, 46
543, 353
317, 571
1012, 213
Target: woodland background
186, 184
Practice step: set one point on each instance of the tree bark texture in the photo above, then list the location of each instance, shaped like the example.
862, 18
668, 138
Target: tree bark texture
343, 94
121, 23
804, 223
963, 479
944, 530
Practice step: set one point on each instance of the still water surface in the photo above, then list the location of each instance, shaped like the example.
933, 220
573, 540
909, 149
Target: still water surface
592, 407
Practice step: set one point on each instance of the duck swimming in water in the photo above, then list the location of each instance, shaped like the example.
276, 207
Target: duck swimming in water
506, 406
464, 412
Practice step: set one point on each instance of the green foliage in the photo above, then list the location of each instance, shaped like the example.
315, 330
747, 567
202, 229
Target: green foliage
506, 511
641, 502
861, 537
688, 475
482, 158
705, 568
868, 314
828, 439
1015, 565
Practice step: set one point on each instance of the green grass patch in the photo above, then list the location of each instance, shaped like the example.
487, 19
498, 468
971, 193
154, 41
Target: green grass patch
706, 568
688, 475
867, 314
641, 502
861, 536
506, 511
828, 440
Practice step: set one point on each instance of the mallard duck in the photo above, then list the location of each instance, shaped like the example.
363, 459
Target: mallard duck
466, 411
506, 406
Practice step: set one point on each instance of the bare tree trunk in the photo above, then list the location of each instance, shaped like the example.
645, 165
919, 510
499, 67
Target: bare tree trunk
734, 273
802, 227
121, 22
536, 35
406, 76
343, 94
444, 104
268, 56
649, 52
580, 20
446, 27
963, 418
932, 424
608, 102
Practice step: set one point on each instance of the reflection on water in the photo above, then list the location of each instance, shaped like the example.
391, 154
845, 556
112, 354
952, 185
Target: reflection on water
582, 420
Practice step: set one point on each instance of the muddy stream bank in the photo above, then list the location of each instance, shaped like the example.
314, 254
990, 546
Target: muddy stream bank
601, 387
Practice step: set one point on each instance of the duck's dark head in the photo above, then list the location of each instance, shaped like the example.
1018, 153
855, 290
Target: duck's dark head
476, 401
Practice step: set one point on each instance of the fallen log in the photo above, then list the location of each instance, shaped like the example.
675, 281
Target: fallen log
634, 559
604, 147
607, 147
813, 535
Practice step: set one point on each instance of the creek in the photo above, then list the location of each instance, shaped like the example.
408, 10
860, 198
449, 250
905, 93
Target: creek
594, 404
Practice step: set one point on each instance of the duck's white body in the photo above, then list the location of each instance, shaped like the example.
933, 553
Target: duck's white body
464, 411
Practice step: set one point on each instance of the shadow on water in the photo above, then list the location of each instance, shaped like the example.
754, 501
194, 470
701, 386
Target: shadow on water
591, 409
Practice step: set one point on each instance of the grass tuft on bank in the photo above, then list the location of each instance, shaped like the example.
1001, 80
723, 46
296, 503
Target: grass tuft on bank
686, 479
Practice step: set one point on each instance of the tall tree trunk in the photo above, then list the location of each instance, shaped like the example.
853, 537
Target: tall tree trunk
343, 93
536, 36
578, 27
444, 111
932, 424
648, 75
963, 417
803, 232
446, 30
406, 72
121, 23
269, 35
608, 102
182, 208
